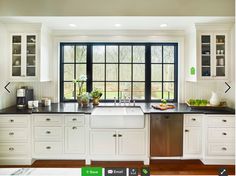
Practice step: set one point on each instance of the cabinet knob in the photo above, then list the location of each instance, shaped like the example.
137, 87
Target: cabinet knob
186, 130
114, 135
48, 119
11, 133
166, 117
74, 128
224, 148
224, 133
48, 132
11, 149
11, 120
193, 119
224, 120
119, 135
48, 147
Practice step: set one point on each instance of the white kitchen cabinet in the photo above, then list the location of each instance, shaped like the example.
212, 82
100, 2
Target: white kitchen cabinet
29, 52
192, 143
75, 139
103, 142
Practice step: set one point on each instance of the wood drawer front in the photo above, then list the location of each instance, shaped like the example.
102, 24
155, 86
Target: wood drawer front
74, 120
221, 135
11, 149
48, 120
48, 133
19, 121
48, 147
218, 149
13, 134
193, 120
220, 121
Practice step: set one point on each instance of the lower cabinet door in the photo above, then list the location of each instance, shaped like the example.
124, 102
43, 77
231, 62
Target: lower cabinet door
75, 140
192, 140
131, 142
103, 142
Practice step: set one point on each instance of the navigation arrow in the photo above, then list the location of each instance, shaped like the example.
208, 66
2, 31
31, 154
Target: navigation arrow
7, 88
228, 87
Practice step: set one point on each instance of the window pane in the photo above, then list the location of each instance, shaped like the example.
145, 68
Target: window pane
125, 89
112, 54
98, 72
68, 90
81, 53
139, 54
80, 70
125, 53
168, 91
111, 90
112, 72
138, 72
168, 54
156, 54
100, 86
156, 72
68, 72
168, 72
99, 53
156, 91
138, 91
69, 53
125, 72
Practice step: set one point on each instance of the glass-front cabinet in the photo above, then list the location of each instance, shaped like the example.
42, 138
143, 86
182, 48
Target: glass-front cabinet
213, 56
23, 56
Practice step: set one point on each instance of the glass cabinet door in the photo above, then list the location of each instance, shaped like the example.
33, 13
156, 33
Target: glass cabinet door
30, 55
220, 55
16, 55
205, 55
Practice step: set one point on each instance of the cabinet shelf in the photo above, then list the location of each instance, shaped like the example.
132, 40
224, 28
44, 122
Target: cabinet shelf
205, 43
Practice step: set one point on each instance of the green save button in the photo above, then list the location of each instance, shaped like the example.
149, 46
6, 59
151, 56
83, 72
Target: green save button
91, 171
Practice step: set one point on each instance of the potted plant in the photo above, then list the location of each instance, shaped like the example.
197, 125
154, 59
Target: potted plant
82, 79
85, 99
96, 95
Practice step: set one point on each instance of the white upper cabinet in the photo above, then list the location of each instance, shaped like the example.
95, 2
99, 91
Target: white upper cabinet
29, 53
213, 52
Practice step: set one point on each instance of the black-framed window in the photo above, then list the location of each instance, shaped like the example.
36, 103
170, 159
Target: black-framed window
141, 71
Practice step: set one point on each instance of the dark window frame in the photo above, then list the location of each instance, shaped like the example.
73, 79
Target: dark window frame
147, 63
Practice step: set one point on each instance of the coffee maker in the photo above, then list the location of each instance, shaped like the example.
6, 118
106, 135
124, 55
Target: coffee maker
23, 95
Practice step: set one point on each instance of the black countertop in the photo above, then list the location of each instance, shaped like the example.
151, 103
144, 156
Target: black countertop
181, 108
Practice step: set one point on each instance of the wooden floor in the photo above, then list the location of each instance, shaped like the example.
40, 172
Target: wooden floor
157, 167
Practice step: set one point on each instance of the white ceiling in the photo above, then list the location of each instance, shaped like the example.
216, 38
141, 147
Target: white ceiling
126, 23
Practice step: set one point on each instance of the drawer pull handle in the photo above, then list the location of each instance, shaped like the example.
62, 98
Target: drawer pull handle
193, 119
119, 135
114, 135
224, 134
48, 147
74, 119
224, 148
74, 128
11, 133
48, 119
186, 130
48, 132
11, 120
166, 117
11, 149
224, 120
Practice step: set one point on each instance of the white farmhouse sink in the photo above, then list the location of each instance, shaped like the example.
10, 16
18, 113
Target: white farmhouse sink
117, 117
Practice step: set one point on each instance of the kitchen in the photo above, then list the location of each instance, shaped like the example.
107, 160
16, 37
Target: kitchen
137, 64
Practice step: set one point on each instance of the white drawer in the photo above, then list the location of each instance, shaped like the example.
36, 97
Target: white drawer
13, 120
221, 135
48, 147
45, 133
193, 120
13, 134
11, 149
220, 121
218, 149
74, 120
48, 120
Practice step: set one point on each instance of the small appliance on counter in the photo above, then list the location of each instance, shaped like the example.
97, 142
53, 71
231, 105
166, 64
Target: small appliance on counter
23, 95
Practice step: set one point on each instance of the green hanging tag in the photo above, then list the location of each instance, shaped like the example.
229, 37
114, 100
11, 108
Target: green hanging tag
192, 70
